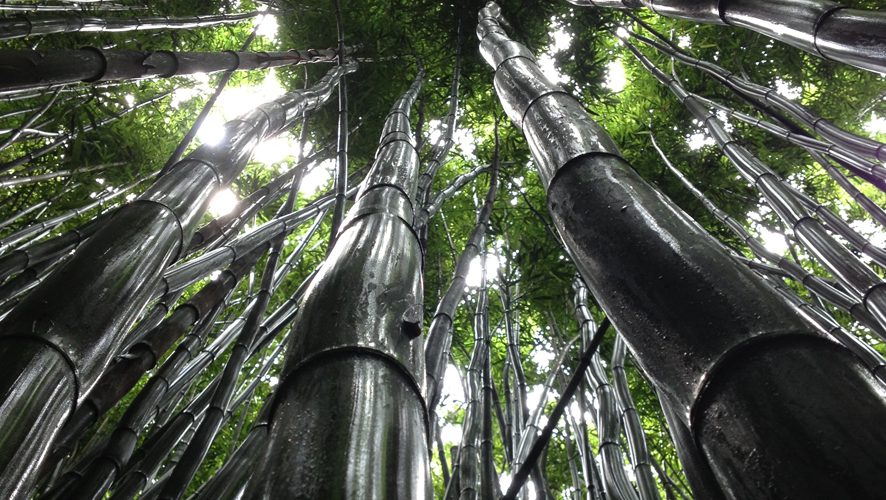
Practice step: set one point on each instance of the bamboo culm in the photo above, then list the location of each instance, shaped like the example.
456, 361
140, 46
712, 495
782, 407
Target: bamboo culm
634, 249
370, 342
23, 26
439, 339
820, 27
198, 447
67, 334
759, 93
794, 270
25, 69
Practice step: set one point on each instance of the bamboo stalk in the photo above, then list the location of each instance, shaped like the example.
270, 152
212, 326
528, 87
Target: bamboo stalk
820, 27
24, 26
116, 271
859, 280
373, 283
760, 93
26, 69
666, 285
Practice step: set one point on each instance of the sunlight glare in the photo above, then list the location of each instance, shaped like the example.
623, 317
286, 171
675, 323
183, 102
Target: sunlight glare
274, 150
223, 202
698, 140
786, 89
267, 27
212, 132
561, 39
876, 125
317, 177
549, 68
615, 76
773, 241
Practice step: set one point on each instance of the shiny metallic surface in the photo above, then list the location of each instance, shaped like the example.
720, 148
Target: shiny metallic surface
793, 22
608, 419
381, 199
349, 418
18, 28
519, 82
702, 11
22, 446
116, 272
854, 37
358, 451
396, 161
844, 462
558, 130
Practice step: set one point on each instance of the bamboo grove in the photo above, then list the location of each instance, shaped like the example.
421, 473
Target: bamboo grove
356, 249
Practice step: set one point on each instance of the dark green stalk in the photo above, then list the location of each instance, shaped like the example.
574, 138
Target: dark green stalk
341, 156
666, 285
539, 444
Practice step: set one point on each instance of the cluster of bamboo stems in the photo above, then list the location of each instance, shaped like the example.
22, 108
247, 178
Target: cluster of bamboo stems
121, 303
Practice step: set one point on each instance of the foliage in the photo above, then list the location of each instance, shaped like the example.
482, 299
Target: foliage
394, 39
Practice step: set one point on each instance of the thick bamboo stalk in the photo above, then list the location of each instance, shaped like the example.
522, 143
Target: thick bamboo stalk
198, 447
820, 27
68, 327
349, 418
666, 284
25, 69
125, 371
25, 26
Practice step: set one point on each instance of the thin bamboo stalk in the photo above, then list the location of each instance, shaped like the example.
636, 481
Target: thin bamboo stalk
859, 280
26, 69
640, 458
858, 144
615, 479
539, 444
340, 179
812, 282
30, 120
25, 26
71, 135
197, 449
820, 27
439, 339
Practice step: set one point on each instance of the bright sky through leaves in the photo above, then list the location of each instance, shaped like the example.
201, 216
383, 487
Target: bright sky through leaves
222, 202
